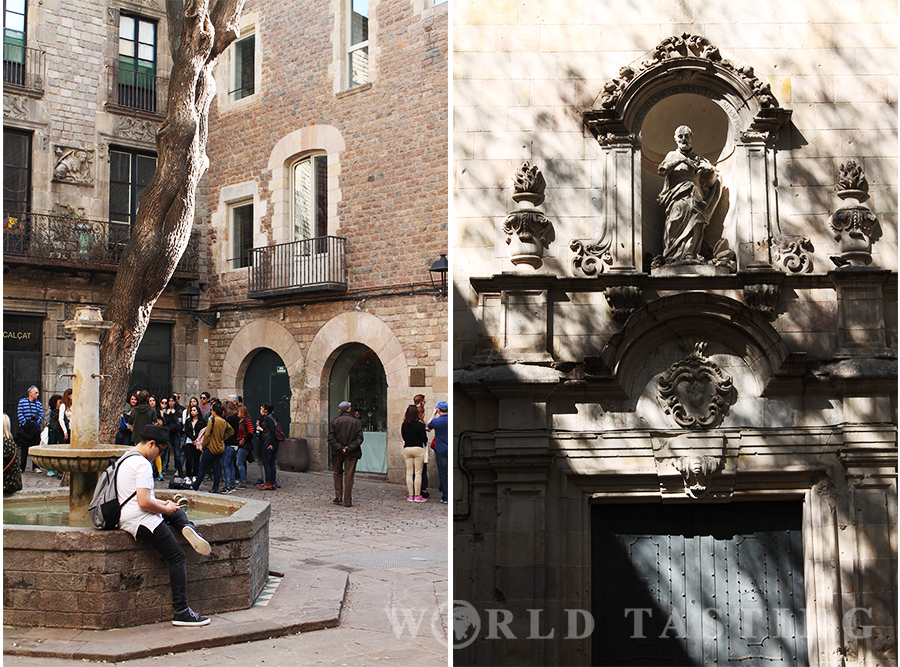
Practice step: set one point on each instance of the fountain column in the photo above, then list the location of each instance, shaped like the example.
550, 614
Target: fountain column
88, 326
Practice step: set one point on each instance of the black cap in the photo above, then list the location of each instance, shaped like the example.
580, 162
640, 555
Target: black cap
158, 433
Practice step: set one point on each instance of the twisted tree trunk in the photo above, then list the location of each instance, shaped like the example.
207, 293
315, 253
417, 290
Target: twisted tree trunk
199, 31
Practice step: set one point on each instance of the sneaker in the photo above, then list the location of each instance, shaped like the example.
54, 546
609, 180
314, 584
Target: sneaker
37, 470
338, 501
443, 502
411, 498
419, 499
425, 494
241, 486
258, 482
277, 485
227, 489
189, 617
51, 474
200, 545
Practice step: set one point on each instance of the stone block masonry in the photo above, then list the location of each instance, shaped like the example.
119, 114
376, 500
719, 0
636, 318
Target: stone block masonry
91, 579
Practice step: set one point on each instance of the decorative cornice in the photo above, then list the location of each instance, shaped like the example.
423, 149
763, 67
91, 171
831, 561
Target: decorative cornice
686, 46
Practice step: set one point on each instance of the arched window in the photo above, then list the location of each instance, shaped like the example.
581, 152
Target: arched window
309, 197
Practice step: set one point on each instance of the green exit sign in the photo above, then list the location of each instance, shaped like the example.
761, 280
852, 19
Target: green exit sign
282, 370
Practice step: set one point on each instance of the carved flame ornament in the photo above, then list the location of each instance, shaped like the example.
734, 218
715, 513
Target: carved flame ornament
695, 391
853, 223
527, 228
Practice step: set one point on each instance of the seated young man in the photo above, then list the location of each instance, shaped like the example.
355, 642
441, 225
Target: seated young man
148, 519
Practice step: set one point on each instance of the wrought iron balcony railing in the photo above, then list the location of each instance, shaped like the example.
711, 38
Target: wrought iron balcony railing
135, 90
23, 67
310, 265
55, 241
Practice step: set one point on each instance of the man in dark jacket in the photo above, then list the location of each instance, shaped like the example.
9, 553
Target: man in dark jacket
345, 436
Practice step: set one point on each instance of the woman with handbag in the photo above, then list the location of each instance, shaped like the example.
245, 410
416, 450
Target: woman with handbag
415, 451
217, 430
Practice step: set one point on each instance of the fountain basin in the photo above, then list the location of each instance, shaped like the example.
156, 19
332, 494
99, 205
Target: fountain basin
70, 577
74, 460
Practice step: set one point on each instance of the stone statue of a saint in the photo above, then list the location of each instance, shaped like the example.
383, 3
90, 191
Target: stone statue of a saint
690, 195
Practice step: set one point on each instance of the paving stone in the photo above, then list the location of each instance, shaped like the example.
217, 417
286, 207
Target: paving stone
319, 610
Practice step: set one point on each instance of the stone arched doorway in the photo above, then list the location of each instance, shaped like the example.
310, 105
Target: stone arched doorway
266, 380
269, 337
358, 376
337, 335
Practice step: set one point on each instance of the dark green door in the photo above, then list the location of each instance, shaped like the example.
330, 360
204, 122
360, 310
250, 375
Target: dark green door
698, 584
22, 337
267, 381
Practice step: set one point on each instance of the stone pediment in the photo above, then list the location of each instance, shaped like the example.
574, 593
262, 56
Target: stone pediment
685, 64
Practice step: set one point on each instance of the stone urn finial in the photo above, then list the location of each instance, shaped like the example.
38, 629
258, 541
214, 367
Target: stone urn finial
526, 227
853, 223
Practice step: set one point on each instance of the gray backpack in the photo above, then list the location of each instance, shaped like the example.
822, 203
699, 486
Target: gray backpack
105, 508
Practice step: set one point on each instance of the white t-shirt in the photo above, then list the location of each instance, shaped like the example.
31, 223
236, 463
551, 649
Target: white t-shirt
135, 472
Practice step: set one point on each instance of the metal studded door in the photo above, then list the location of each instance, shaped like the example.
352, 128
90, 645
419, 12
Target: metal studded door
698, 584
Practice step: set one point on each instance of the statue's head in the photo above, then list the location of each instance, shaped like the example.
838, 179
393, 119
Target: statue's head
683, 136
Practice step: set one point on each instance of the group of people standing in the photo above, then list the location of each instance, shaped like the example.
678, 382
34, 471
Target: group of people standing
208, 436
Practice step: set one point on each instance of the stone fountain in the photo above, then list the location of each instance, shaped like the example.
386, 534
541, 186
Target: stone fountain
85, 458
75, 576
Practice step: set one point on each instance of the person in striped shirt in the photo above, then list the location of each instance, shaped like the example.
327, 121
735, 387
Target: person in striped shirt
31, 417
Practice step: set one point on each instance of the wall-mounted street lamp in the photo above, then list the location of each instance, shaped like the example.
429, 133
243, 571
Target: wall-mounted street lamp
438, 273
190, 300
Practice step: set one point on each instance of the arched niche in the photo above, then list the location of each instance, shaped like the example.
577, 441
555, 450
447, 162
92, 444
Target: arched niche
714, 139
685, 79
688, 316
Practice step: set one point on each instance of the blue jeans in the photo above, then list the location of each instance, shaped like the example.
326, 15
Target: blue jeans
442, 474
207, 460
167, 546
228, 466
242, 455
269, 458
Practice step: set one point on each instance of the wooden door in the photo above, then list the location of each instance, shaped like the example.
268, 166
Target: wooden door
698, 584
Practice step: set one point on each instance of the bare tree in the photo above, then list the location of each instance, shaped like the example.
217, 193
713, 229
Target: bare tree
199, 31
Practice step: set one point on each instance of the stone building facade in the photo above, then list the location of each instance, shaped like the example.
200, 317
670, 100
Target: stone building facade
675, 373
323, 209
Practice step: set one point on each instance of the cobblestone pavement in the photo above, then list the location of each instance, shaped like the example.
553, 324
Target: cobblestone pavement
394, 551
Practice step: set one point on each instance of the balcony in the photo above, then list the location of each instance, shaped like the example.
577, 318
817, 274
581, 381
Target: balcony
63, 242
310, 265
129, 90
23, 67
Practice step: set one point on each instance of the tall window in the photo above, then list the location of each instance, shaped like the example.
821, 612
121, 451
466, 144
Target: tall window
16, 174
242, 233
14, 42
129, 174
309, 209
137, 63
244, 68
358, 44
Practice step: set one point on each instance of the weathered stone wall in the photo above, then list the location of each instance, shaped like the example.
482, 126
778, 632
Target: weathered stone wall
386, 143
559, 373
523, 75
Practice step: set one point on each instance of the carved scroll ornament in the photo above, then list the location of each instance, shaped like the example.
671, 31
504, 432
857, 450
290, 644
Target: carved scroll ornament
695, 391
